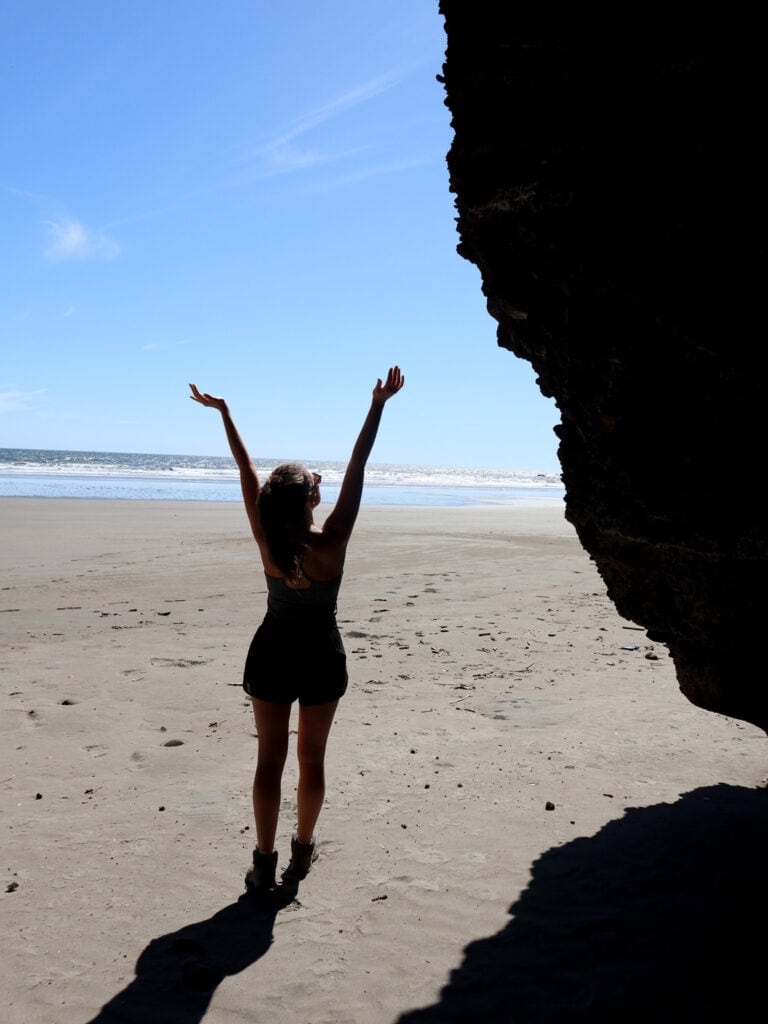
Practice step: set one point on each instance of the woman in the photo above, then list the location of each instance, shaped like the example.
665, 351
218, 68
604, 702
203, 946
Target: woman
297, 652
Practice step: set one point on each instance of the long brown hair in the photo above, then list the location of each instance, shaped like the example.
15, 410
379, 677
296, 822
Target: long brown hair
283, 514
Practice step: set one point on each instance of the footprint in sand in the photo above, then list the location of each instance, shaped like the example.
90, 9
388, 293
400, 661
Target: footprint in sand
179, 662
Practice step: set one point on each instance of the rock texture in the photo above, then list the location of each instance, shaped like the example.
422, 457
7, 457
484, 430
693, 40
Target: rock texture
609, 186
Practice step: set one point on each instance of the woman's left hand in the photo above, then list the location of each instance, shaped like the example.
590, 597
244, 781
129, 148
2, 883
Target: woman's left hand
395, 380
208, 400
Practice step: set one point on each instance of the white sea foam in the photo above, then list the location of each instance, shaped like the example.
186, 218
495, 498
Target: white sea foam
45, 473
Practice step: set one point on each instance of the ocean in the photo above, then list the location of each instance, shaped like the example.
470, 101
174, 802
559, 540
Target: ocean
41, 473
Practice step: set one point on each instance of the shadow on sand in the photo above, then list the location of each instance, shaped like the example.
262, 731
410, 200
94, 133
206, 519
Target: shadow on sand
177, 974
659, 917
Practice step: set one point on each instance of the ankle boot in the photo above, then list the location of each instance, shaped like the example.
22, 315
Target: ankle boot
262, 875
303, 856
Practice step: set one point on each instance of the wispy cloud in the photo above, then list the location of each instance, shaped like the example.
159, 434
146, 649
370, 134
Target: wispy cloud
18, 401
282, 154
70, 239
364, 173
24, 193
285, 153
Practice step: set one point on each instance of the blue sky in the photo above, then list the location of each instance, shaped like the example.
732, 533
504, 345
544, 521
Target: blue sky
252, 196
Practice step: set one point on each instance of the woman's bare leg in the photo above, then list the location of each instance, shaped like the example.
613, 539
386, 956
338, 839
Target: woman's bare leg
272, 731
314, 726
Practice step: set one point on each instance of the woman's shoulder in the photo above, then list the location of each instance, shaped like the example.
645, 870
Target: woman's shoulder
323, 558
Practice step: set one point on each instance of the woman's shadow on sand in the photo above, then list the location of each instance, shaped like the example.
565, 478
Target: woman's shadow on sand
660, 917
656, 919
177, 974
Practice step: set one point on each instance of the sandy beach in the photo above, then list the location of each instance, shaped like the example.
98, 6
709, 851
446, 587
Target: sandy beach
525, 820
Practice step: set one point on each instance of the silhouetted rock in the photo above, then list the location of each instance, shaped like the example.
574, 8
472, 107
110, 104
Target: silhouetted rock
609, 181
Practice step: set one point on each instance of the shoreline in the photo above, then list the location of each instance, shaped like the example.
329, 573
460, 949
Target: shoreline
428, 496
501, 717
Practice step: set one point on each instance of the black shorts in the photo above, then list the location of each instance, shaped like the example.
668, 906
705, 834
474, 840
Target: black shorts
290, 661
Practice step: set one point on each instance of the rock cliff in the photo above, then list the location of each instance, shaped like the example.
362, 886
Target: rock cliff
609, 183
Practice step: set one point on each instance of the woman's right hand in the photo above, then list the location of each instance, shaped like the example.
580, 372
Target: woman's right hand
392, 385
208, 400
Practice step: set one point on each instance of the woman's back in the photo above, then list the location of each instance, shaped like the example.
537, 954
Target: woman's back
317, 599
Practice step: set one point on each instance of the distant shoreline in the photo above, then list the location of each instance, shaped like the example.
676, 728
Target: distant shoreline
180, 488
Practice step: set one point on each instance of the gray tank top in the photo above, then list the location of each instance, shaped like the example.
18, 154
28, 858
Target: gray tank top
314, 603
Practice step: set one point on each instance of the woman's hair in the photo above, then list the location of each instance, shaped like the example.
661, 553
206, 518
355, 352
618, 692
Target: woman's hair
283, 514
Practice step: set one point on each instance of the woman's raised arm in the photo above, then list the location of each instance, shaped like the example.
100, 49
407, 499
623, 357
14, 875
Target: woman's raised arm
341, 520
249, 479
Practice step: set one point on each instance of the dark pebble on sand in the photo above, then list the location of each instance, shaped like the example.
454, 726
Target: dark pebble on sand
38, 796
549, 806
12, 887
174, 743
